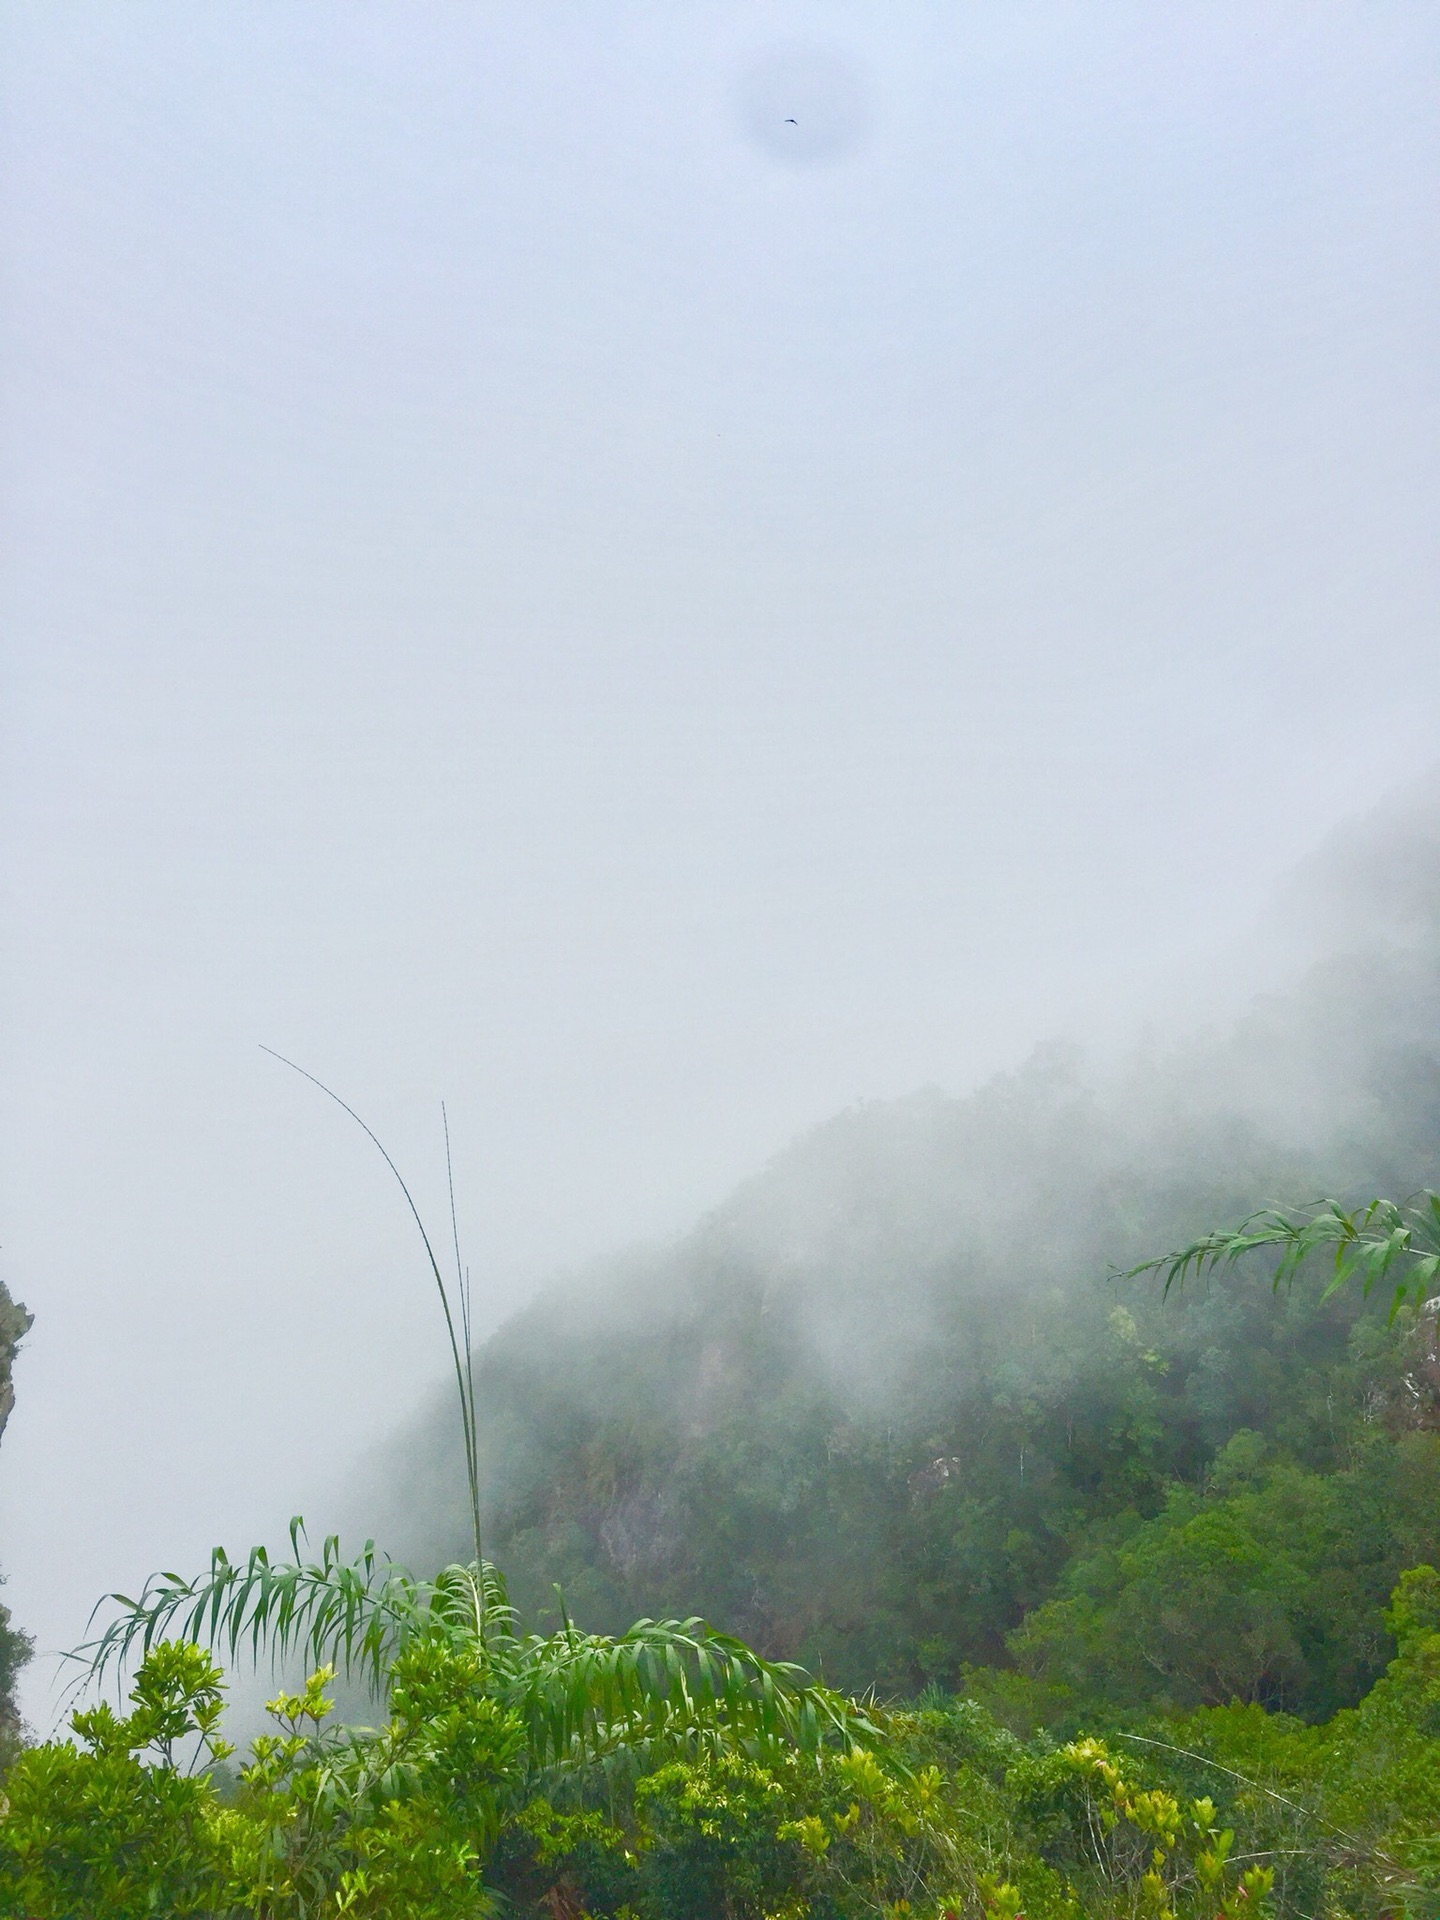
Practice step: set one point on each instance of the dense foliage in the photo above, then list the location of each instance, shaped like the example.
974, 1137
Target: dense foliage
894, 1397
934, 1810
1170, 1737
1092, 1450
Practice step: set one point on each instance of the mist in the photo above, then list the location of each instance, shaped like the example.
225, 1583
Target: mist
754, 1418
521, 586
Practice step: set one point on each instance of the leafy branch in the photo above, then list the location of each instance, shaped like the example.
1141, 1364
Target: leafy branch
1382, 1244
356, 1613
580, 1697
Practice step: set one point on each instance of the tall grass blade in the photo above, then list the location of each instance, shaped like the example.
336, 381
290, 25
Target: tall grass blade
464, 1370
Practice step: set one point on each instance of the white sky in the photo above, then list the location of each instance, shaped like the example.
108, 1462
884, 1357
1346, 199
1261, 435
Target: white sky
523, 579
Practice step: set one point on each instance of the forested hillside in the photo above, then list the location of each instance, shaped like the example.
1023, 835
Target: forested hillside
1131, 1600
887, 1411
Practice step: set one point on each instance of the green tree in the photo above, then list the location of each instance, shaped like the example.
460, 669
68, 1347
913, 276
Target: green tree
118, 1825
1267, 1584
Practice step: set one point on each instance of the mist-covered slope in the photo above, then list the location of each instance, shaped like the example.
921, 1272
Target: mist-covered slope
887, 1401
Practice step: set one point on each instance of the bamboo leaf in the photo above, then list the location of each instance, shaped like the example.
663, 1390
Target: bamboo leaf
1374, 1242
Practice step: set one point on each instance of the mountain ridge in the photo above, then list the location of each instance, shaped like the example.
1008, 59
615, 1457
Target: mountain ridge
873, 1405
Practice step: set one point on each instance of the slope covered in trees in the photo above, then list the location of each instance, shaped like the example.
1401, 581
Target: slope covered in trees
887, 1411
1141, 1591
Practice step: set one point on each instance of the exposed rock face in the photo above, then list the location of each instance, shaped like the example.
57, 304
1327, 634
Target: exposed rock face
15, 1323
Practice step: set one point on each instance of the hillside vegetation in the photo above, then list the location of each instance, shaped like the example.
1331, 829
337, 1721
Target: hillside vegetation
878, 1551
888, 1412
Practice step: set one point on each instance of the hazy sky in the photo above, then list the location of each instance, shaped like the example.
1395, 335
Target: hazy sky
528, 579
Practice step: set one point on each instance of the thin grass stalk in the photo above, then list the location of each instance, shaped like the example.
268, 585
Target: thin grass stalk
464, 1373
462, 1288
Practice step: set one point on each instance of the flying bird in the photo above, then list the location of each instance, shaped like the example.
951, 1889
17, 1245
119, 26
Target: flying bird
792, 123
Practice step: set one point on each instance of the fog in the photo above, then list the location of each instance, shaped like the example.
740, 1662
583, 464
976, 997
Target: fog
929, 1292
526, 580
